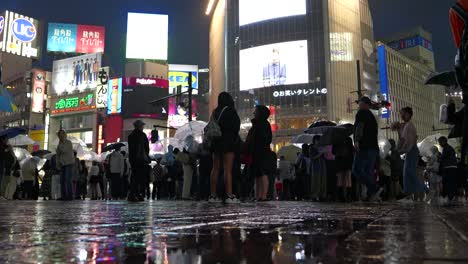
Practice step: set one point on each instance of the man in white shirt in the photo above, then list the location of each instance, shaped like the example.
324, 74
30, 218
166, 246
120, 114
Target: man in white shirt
116, 167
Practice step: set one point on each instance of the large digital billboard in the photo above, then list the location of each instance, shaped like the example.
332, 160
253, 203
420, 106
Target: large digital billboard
147, 36
76, 74
179, 76
19, 35
75, 38
276, 64
251, 11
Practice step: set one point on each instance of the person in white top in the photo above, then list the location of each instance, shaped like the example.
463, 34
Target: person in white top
65, 163
116, 168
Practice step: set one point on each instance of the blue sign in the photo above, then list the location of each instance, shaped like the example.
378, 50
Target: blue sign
181, 78
383, 78
23, 29
2, 24
411, 43
62, 37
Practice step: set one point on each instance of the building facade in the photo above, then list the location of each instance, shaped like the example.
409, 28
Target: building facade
297, 57
402, 82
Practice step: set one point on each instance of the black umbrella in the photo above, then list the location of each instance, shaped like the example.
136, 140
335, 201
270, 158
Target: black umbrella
113, 146
322, 123
336, 135
40, 153
12, 132
443, 78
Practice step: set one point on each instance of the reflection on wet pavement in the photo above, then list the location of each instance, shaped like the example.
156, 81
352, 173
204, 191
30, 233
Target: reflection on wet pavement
186, 232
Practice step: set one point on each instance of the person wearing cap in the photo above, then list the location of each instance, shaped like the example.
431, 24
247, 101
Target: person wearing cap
138, 147
367, 148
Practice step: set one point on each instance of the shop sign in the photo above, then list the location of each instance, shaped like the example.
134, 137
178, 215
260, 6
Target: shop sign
74, 104
300, 92
18, 35
102, 88
39, 86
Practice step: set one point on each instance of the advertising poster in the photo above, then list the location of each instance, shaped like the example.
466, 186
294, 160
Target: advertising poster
147, 36
114, 101
19, 35
260, 10
75, 38
76, 74
38, 91
73, 103
139, 92
179, 75
102, 88
178, 112
383, 77
277, 64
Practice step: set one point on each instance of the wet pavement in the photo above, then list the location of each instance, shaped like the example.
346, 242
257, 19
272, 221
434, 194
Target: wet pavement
190, 232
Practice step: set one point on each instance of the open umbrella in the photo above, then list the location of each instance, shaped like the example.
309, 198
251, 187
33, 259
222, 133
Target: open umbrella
21, 140
21, 153
194, 128
289, 152
113, 146
427, 143
322, 123
48, 156
303, 139
7, 102
40, 153
443, 78
323, 130
12, 132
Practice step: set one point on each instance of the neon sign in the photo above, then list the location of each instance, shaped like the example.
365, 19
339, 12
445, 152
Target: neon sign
74, 104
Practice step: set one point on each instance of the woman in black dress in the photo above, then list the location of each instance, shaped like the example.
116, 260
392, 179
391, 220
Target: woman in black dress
225, 147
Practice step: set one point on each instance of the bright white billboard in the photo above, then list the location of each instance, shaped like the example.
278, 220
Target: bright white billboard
147, 36
277, 64
251, 11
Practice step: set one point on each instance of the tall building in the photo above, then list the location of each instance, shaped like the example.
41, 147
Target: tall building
297, 57
404, 65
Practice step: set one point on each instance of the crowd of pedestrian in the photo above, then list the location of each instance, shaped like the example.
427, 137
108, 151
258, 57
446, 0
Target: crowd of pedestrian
226, 168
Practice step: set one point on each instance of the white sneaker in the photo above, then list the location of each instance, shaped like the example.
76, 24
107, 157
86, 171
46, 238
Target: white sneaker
214, 199
232, 200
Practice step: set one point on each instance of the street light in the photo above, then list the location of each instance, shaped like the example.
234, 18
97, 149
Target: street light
209, 7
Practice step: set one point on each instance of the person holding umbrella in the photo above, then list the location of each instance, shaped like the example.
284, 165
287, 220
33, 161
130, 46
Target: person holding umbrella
366, 145
65, 163
138, 146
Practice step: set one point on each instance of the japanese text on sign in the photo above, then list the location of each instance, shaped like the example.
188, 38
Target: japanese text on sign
299, 92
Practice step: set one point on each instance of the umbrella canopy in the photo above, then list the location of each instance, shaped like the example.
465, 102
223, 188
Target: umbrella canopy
89, 156
194, 128
323, 130
48, 156
21, 153
40, 153
176, 143
322, 123
303, 139
36, 160
426, 144
21, 140
289, 152
113, 146
12, 132
443, 78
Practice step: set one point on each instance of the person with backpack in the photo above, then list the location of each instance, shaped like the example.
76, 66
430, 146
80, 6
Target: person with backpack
225, 124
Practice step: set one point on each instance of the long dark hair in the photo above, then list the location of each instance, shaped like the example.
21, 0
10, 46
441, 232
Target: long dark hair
225, 99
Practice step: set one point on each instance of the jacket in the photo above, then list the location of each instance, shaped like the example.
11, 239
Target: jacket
116, 163
65, 154
448, 159
138, 148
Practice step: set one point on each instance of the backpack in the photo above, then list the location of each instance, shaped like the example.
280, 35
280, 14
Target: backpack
212, 131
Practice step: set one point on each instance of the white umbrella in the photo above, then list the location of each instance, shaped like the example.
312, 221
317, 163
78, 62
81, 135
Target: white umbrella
75, 141
194, 128
426, 144
289, 152
89, 156
176, 143
21, 140
38, 161
303, 139
21, 153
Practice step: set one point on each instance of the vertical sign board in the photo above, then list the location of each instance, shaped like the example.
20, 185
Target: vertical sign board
19, 35
102, 88
114, 98
383, 77
38, 91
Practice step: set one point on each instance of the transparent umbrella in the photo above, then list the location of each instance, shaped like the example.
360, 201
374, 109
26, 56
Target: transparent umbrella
21, 140
21, 153
194, 128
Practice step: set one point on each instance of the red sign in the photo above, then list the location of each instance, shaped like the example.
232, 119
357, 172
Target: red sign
70, 110
90, 39
137, 81
38, 92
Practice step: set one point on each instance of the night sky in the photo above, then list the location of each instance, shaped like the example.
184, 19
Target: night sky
188, 26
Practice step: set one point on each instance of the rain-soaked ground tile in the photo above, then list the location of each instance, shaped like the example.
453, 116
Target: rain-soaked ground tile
190, 232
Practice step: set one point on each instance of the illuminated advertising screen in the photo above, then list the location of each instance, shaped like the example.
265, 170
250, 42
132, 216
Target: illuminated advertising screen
38, 92
76, 74
179, 76
19, 35
137, 95
277, 64
251, 11
114, 99
147, 36
75, 38
178, 112
73, 103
